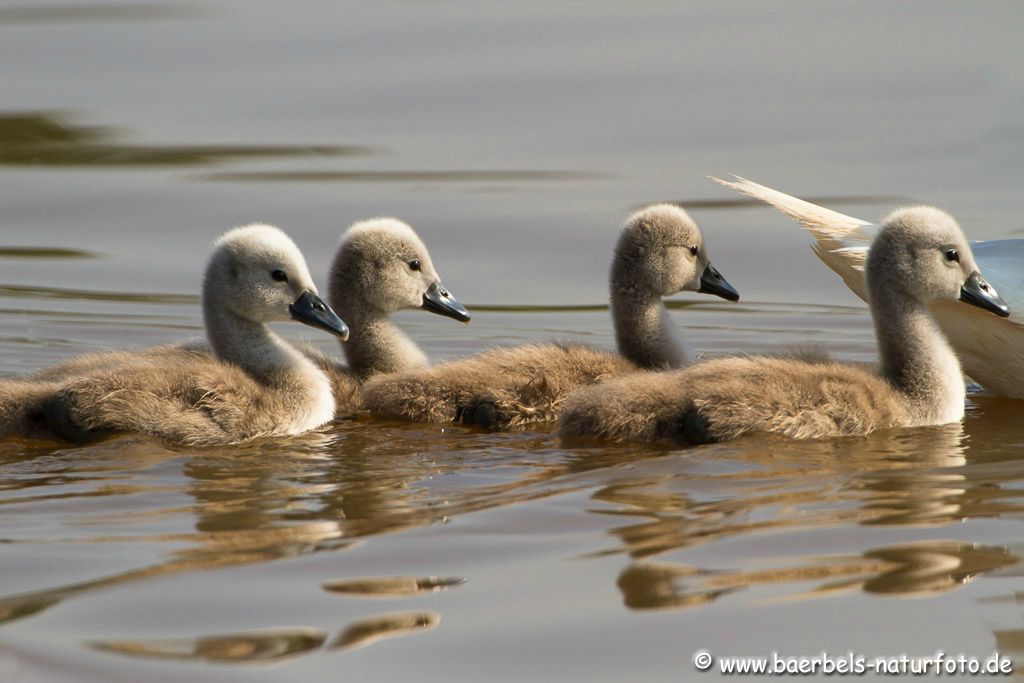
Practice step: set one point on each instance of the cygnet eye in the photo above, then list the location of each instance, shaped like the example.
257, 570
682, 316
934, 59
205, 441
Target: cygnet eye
414, 264
953, 255
694, 250
279, 275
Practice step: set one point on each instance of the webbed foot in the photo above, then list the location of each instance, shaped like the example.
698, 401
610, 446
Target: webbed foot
483, 413
62, 424
696, 429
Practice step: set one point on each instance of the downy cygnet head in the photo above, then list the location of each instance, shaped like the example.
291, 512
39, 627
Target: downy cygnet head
665, 251
383, 264
258, 274
920, 252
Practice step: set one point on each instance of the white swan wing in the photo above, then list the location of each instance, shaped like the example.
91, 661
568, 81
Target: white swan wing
841, 241
991, 349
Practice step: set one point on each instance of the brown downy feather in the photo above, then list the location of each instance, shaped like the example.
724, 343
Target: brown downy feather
345, 385
504, 388
660, 252
203, 402
723, 399
920, 255
248, 382
371, 277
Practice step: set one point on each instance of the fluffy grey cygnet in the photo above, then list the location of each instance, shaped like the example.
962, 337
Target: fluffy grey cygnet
660, 252
381, 267
920, 255
253, 383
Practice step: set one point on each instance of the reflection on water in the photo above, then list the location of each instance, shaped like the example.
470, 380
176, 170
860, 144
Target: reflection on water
45, 253
283, 498
393, 586
649, 585
52, 139
923, 568
368, 631
857, 480
288, 498
1009, 635
1011, 642
932, 567
63, 293
237, 648
271, 645
905, 478
217, 550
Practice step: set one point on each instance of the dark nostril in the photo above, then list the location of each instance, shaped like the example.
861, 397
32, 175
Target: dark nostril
318, 306
444, 292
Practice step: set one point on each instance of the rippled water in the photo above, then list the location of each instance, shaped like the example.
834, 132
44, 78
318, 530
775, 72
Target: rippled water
515, 137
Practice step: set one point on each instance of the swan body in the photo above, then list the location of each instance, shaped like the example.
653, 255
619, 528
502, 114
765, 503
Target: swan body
660, 252
991, 349
918, 256
247, 383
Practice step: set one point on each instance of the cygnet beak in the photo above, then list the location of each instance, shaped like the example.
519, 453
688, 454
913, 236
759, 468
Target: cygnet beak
712, 282
311, 310
439, 300
977, 292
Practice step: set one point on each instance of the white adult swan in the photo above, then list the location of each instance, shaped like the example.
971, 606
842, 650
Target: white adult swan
991, 349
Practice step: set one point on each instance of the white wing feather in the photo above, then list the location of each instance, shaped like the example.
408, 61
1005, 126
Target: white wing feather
841, 241
991, 349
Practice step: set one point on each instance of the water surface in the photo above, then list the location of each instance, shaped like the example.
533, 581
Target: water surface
515, 138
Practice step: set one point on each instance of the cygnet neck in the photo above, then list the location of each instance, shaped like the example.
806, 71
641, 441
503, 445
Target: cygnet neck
915, 356
643, 330
375, 345
250, 345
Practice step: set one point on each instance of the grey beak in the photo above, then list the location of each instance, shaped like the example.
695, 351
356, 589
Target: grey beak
712, 282
439, 300
311, 310
977, 292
